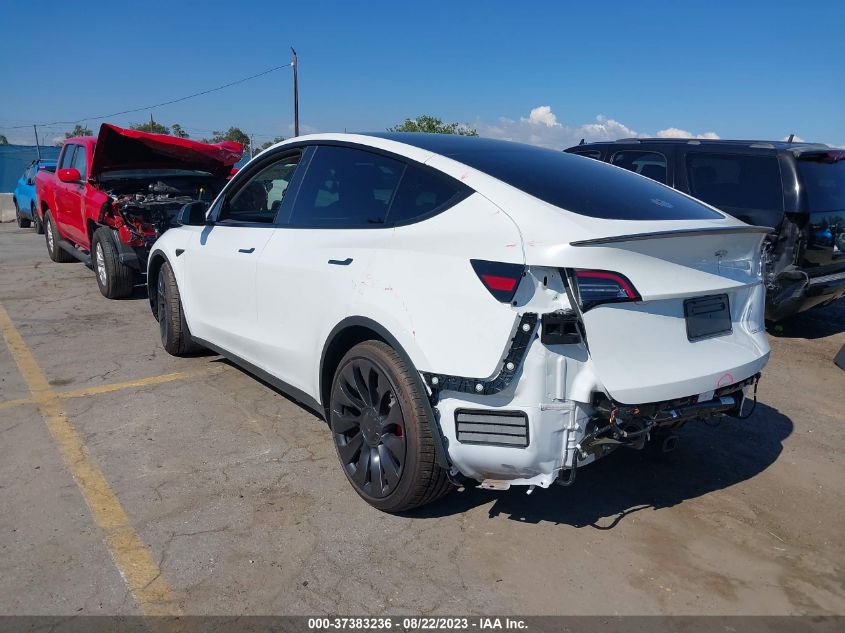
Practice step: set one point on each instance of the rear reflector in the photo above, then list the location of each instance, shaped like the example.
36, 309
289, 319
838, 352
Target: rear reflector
500, 278
492, 428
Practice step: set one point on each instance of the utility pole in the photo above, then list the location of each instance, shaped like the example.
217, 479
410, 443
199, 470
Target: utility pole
295, 64
252, 145
37, 145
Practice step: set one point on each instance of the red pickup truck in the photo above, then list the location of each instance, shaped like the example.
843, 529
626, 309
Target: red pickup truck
113, 195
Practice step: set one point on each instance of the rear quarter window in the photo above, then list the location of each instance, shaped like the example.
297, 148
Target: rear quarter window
423, 193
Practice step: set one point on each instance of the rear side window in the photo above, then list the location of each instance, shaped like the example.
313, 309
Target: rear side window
736, 182
649, 164
423, 192
346, 188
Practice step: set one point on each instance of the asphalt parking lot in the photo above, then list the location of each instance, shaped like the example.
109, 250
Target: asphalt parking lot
133, 482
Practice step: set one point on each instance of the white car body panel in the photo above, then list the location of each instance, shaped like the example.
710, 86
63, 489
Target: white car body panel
222, 287
277, 306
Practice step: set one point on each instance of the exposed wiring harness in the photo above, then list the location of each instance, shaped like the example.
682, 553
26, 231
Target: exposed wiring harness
753, 405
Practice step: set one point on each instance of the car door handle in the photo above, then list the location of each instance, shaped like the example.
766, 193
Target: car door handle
341, 262
246, 250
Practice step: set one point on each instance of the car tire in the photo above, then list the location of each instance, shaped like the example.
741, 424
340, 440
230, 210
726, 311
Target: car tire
381, 430
22, 221
173, 328
36, 221
115, 279
52, 236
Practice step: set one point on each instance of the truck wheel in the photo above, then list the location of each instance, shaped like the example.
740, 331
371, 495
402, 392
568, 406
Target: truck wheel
51, 233
175, 335
381, 430
22, 221
115, 279
36, 221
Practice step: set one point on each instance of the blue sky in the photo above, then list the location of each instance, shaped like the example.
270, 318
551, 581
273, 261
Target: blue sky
543, 72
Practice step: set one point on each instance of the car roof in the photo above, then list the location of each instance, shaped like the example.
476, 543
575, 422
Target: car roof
81, 140
450, 144
750, 143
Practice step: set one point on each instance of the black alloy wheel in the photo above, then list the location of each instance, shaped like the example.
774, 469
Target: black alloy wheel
368, 427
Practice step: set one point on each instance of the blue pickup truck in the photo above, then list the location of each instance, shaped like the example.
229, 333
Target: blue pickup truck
24, 196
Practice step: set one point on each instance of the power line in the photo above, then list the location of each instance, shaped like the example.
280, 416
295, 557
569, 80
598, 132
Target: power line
157, 105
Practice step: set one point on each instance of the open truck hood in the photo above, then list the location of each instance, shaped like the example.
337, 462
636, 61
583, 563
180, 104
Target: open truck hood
121, 149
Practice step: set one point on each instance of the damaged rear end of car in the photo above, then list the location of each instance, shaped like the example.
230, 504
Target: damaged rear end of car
637, 310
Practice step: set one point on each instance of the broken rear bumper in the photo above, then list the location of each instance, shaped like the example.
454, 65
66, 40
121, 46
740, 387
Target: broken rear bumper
553, 414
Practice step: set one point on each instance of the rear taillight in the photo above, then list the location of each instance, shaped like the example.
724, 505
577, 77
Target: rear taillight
500, 278
594, 287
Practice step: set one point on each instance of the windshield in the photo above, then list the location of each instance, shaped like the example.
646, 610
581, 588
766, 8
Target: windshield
824, 184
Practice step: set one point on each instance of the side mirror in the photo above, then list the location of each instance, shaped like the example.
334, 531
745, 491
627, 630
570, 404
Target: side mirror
193, 213
70, 174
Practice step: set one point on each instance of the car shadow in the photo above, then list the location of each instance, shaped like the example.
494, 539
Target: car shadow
812, 324
225, 361
138, 292
606, 492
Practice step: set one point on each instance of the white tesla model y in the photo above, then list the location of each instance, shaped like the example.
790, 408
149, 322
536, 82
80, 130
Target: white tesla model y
465, 310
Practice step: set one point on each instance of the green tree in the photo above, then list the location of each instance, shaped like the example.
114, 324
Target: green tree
176, 130
3, 140
431, 124
151, 126
79, 130
232, 134
264, 146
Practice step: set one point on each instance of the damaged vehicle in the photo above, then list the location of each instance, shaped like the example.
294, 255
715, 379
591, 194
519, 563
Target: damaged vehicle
113, 195
796, 188
466, 311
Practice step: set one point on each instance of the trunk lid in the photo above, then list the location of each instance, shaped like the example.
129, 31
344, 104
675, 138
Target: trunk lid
121, 149
699, 325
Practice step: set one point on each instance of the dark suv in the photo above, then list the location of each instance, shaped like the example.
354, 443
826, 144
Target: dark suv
798, 189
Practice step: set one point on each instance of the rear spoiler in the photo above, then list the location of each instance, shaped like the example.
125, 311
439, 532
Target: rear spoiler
656, 235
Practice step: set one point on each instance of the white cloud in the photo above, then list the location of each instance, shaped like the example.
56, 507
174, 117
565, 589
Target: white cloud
542, 115
674, 132
541, 127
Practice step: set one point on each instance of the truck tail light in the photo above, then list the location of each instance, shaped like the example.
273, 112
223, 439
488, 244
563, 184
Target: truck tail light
500, 278
594, 287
